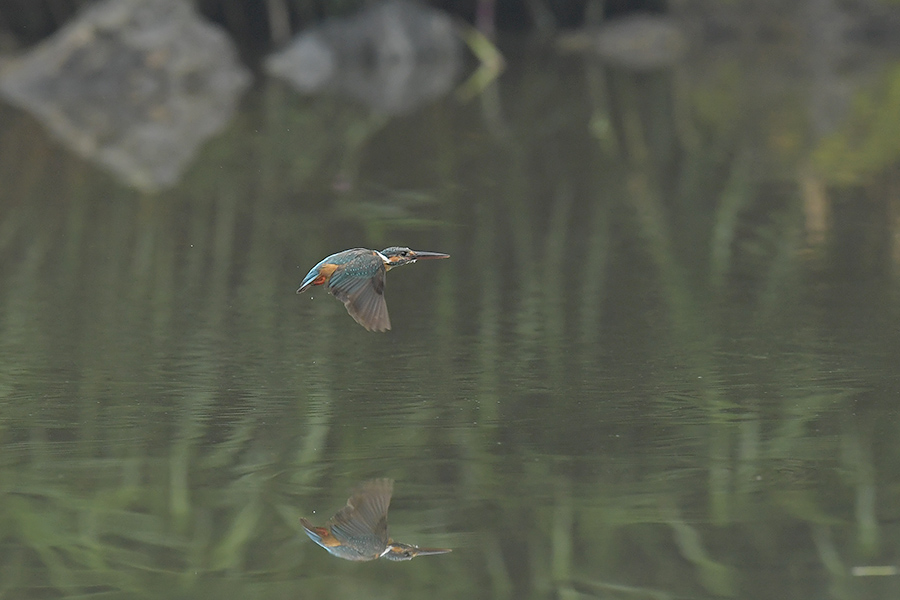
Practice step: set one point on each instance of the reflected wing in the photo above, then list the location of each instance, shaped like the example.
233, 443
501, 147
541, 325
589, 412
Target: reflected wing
364, 519
359, 284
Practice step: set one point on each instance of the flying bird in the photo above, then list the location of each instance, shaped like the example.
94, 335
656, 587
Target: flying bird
356, 278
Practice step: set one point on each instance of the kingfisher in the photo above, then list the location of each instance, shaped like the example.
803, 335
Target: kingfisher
356, 278
358, 531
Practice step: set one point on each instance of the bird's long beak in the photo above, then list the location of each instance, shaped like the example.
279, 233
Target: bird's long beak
431, 551
423, 255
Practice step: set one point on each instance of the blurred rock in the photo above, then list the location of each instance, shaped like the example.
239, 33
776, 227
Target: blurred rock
874, 23
392, 56
638, 42
825, 50
135, 85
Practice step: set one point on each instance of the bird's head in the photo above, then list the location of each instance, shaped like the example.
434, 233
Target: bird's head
398, 551
396, 256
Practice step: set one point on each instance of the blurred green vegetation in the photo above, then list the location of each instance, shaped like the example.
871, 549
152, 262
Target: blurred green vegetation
869, 140
645, 372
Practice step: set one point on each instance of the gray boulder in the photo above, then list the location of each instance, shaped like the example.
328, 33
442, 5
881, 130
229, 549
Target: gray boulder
135, 85
392, 56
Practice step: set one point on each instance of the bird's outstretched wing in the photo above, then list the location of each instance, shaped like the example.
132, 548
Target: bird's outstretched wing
362, 292
365, 515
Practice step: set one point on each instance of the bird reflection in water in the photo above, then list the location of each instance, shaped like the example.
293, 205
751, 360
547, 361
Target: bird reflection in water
358, 531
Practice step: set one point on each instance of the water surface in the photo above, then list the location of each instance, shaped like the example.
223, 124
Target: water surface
661, 362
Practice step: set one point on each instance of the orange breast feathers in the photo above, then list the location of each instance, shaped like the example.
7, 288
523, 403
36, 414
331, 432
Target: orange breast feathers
325, 273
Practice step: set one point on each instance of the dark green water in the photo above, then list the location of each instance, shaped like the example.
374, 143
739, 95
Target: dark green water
661, 362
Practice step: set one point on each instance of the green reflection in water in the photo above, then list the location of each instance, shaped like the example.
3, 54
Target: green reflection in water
649, 370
